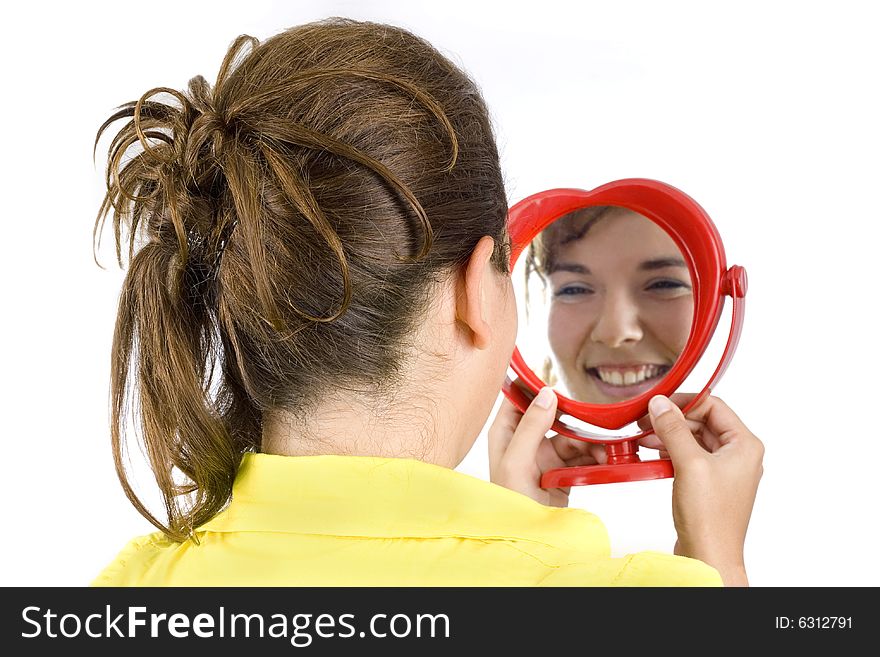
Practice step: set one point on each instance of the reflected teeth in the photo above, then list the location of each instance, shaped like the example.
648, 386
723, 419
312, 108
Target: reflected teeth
629, 377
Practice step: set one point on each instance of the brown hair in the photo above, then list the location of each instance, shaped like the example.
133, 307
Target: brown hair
544, 248
293, 218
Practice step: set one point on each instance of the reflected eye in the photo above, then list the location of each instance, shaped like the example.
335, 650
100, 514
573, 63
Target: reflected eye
573, 291
669, 285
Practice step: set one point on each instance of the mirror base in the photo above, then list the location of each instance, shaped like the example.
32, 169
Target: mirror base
587, 475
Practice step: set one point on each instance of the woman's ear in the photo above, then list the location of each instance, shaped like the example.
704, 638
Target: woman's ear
472, 305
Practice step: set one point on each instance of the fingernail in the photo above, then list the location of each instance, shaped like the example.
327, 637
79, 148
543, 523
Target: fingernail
545, 397
659, 405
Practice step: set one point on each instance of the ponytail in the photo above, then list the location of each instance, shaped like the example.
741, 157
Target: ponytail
165, 345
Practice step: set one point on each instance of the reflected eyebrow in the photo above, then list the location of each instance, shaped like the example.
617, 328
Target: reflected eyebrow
661, 263
647, 265
568, 266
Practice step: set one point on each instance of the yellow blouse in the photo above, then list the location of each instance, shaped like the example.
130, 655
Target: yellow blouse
370, 521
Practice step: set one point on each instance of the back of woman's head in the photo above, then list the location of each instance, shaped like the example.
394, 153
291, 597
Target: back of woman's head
290, 223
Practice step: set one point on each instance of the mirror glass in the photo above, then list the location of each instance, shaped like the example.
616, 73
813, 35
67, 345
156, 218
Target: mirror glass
605, 304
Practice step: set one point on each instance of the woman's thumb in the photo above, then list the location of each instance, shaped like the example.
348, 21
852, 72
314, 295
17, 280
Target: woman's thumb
535, 423
671, 428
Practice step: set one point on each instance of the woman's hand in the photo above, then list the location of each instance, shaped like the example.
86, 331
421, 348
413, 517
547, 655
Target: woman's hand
718, 465
519, 453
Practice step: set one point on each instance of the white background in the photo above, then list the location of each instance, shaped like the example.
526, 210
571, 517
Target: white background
765, 112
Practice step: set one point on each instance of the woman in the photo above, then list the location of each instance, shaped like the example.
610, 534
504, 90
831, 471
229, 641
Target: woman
620, 302
318, 323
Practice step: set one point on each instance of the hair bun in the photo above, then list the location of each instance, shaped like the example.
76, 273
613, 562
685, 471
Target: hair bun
164, 179
206, 130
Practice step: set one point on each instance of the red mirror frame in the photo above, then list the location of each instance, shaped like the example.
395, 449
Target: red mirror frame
700, 244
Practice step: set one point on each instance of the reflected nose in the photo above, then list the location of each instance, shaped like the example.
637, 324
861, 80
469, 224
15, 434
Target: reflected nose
618, 324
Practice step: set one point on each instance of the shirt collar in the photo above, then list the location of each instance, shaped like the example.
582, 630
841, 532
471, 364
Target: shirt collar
381, 497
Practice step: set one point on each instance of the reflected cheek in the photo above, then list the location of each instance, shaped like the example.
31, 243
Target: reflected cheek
566, 332
673, 326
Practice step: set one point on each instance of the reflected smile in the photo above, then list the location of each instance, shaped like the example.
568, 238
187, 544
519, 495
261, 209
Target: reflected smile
628, 375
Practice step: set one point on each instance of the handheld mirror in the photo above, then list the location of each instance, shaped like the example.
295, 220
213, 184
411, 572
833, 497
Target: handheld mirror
624, 286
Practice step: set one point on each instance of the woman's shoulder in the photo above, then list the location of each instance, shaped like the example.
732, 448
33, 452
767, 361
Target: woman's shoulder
129, 566
646, 568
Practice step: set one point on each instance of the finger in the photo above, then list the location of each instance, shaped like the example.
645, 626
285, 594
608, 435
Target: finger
586, 459
570, 448
573, 452
501, 431
534, 425
546, 457
708, 439
558, 497
680, 399
720, 420
672, 429
651, 441
598, 452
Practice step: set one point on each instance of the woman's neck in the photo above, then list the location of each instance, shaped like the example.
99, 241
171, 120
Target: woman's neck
396, 428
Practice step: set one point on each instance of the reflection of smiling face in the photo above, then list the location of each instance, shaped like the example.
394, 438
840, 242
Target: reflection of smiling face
621, 308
